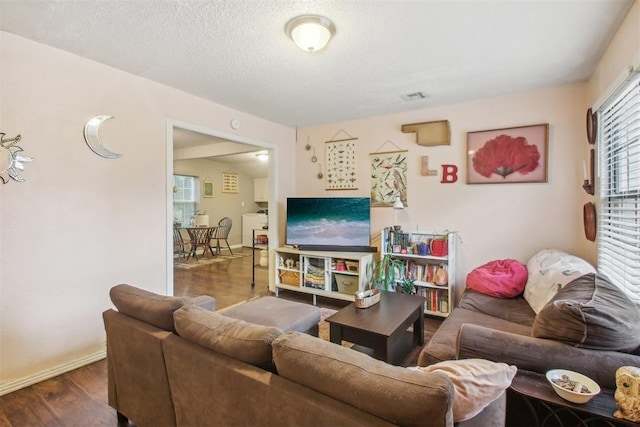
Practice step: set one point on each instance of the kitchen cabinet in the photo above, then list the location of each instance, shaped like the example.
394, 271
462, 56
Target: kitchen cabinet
261, 190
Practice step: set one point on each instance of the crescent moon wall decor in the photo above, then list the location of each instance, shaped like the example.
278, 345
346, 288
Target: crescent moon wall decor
93, 140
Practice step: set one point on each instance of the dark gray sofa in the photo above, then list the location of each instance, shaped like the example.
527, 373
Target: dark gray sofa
500, 329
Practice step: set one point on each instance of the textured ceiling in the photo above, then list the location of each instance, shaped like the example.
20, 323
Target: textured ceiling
236, 53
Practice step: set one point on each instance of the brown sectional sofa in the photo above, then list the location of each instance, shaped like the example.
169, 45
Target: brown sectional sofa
205, 368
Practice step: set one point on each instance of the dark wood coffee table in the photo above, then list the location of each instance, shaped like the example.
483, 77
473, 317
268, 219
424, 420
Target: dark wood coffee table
382, 327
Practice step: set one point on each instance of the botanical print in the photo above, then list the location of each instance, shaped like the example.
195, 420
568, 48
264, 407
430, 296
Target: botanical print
388, 177
341, 164
507, 155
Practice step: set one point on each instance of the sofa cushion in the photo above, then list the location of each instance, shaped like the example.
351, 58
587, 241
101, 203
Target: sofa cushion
590, 312
516, 310
549, 270
152, 308
394, 393
477, 383
235, 338
502, 278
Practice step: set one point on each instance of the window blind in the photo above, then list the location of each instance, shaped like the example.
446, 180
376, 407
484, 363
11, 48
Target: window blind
619, 188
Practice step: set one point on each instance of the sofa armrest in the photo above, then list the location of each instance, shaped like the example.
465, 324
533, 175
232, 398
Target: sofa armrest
540, 355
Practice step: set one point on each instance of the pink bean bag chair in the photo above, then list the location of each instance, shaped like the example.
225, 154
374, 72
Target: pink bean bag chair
503, 278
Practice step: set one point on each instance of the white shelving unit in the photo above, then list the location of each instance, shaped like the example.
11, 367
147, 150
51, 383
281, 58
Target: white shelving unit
404, 245
336, 275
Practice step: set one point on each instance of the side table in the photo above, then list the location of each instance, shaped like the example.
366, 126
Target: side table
546, 408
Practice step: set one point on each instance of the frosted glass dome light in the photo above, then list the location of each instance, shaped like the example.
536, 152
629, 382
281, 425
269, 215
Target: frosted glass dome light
310, 32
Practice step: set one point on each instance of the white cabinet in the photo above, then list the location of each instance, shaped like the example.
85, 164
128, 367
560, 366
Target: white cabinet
424, 255
336, 275
261, 190
250, 222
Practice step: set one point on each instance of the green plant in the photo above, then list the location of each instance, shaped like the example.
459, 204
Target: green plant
406, 285
385, 272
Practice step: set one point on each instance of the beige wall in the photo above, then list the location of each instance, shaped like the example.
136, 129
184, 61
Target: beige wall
494, 221
81, 223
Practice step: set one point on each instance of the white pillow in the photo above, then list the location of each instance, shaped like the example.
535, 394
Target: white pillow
477, 383
549, 270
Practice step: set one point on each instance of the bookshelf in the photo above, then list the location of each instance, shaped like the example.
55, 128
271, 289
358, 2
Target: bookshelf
429, 259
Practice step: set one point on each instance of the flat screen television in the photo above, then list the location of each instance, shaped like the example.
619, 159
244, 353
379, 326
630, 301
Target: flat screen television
329, 223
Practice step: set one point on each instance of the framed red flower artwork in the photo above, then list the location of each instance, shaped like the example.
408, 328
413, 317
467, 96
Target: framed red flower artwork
509, 155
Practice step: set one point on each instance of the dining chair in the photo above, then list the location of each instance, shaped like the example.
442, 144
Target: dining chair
180, 245
221, 232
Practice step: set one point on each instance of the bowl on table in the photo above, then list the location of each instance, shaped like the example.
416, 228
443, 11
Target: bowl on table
572, 386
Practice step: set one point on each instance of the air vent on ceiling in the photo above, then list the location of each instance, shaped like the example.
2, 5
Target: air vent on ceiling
415, 96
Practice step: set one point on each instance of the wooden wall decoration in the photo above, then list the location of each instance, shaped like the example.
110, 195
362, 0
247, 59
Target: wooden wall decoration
424, 167
230, 182
430, 133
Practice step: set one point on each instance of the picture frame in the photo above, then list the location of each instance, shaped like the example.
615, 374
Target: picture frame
509, 155
388, 173
230, 182
207, 189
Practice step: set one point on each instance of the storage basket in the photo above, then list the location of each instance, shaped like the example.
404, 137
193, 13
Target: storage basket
367, 298
347, 284
291, 278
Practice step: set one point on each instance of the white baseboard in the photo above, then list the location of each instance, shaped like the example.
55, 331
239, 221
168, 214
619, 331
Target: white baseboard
18, 384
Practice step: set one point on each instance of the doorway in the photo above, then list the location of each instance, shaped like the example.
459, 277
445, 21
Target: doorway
189, 141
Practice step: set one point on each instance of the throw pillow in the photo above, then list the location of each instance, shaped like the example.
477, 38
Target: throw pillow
590, 312
235, 338
503, 278
477, 383
549, 270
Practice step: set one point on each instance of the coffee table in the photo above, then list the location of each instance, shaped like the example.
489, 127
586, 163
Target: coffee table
383, 326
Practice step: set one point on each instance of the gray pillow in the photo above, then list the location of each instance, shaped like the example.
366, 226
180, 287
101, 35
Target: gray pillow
235, 338
155, 309
590, 312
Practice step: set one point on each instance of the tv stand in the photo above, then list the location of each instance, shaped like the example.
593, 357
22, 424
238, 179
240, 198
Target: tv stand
330, 274
336, 248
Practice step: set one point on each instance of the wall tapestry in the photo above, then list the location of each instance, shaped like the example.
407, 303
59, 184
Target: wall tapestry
388, 177
341, 164
510, 155
229, 182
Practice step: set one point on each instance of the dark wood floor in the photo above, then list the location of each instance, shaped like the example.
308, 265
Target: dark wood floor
79, 397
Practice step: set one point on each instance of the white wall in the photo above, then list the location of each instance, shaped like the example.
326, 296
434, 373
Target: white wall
494, 221
81, 223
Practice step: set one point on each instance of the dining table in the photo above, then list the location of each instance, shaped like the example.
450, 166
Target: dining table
200, 238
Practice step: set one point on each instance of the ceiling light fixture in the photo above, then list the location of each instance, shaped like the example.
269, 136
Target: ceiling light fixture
262, 156
310, 32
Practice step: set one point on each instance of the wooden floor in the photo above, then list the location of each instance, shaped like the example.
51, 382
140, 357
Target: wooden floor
79, 397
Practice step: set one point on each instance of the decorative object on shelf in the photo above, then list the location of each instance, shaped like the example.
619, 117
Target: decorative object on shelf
627, 393
406, 286
430, 133
341, 164
424, 167
207, 188
229, 182
589, 219
367, 298
588, 184
439, 245
388, 178
592, 126
511, 155
310, 32
10, 159
92, 138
